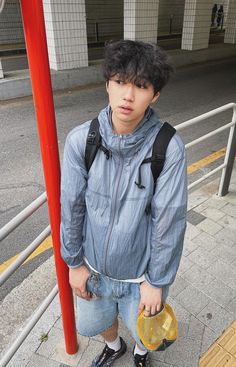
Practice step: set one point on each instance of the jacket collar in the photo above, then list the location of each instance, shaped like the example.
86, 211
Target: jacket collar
128, 144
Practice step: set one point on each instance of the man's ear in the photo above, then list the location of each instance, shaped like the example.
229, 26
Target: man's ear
155, 98
107, 86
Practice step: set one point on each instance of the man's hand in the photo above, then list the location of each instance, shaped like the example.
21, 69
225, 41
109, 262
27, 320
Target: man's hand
151, 299
77, 279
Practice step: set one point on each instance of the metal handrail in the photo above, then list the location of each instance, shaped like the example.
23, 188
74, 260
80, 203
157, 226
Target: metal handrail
209, 135
24, 255
29, 326
226, 168
230, 150
205, 115
22, 216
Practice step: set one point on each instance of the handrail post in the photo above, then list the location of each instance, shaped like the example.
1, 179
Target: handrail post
36, 45
229, 159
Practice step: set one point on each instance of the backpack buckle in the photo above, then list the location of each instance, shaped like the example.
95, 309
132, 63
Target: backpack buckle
91, 137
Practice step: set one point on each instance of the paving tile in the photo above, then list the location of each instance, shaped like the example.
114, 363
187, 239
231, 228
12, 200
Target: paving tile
232, 306
215, 317
202, 258
205, 241
227, 237
200, 207
223, 272
184, 352
215, 202
18, 362
228, 221
229, 209
189, 246
192, 300
191, 231
196, 198
234, 262
54, 348
59, 354
197, 276
209, 337
194, 218
231, 196
183, 328
185, 264
209, 226
177, 287
58, 324
26, 350
226, 253
158, 363
213, 213
181, 313
157, 357
196, 329
220, 292
40, 361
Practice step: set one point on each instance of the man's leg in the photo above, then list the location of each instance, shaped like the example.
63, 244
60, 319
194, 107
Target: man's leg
111, 334
97, 317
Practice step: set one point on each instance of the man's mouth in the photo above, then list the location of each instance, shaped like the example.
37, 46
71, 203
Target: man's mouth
125, 109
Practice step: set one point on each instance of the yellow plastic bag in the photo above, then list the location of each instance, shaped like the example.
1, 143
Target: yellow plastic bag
159, 331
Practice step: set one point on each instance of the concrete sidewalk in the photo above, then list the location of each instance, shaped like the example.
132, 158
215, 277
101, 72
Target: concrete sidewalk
203, 297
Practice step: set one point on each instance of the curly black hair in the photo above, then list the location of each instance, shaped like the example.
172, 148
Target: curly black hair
137, 62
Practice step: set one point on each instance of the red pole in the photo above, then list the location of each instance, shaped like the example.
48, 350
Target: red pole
36, 44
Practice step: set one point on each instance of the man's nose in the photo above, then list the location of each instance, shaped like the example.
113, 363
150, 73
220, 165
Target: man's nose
129, 93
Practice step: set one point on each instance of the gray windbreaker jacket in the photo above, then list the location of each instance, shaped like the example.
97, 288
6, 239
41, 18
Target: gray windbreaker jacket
103, 216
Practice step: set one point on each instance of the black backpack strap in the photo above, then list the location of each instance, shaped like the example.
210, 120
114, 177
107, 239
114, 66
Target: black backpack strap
93, 143
157, 159
160, 145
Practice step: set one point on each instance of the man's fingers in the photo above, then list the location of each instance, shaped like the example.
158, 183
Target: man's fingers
83, 294
140, 308
153, 310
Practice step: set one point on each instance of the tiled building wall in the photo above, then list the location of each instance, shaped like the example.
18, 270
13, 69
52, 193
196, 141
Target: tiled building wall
230, 32
11, 29
107, 17
66, 33
170, 9
196, 25
141, 20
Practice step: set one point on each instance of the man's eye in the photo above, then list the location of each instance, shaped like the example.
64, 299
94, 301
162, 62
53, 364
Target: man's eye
118, 81
140, 85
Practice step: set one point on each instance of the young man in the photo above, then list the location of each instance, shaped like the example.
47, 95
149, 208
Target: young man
123, 257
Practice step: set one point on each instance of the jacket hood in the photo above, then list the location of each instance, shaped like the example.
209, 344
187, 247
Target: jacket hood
128, 144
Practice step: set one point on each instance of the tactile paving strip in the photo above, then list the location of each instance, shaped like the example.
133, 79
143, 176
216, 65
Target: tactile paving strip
223, 352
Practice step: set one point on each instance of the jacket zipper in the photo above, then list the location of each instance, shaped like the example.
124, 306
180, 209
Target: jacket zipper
113, 211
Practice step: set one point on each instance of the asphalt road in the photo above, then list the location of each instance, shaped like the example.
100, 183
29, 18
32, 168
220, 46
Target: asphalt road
192, 91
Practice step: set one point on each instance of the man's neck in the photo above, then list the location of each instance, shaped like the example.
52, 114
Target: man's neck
123, 128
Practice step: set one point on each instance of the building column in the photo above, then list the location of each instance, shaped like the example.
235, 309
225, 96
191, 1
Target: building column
196, 25
230, 31
141, 20
66, 34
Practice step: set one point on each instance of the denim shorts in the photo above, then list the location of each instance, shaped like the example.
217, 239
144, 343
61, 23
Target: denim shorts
110, 299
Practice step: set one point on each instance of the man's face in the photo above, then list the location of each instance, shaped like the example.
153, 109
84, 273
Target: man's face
129, 101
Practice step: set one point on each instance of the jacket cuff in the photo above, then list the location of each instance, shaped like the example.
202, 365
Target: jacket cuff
154, 285
77, 265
